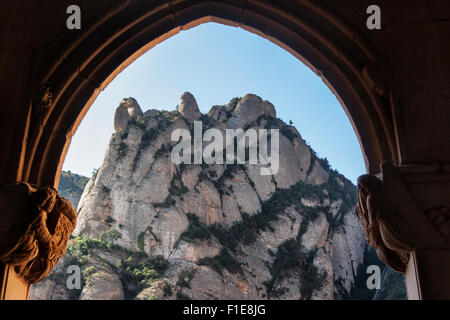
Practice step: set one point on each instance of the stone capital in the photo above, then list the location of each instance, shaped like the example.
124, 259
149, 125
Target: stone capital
404, 210
36, 226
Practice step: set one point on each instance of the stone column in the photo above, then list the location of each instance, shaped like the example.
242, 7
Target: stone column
405, 215
12, 286
36, 225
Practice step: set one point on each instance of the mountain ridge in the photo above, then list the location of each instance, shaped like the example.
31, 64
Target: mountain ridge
167, 231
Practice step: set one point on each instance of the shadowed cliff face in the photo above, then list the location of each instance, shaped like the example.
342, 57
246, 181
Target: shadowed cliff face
152, 229
71, 186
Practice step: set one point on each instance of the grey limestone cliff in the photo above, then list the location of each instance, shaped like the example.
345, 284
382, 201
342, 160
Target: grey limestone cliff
152, 229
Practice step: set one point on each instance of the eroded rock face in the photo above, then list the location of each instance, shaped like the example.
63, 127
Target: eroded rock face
132, 106
102, 285
249, 108
225, 231
127, 110
121, 119
188, 107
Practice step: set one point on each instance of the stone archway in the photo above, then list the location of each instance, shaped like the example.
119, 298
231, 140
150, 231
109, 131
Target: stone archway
393, 86
326, 44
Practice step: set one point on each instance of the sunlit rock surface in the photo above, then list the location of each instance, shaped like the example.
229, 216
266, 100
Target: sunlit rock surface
219, 231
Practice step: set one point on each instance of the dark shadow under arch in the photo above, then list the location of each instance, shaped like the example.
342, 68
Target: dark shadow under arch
111, 41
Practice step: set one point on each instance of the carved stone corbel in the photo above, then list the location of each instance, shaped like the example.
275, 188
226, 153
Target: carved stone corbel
374, 79
36, 226
394, 221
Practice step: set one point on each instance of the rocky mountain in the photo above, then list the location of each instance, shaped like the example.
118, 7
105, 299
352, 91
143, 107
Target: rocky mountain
71, 186
152, 229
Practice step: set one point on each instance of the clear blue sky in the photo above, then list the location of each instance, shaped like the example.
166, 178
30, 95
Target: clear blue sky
216, 63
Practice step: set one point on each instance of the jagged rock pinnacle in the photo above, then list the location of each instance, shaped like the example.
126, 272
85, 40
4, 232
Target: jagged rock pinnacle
121, 119
188, 107
147, 204
248, 109
132, 106
128, 109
